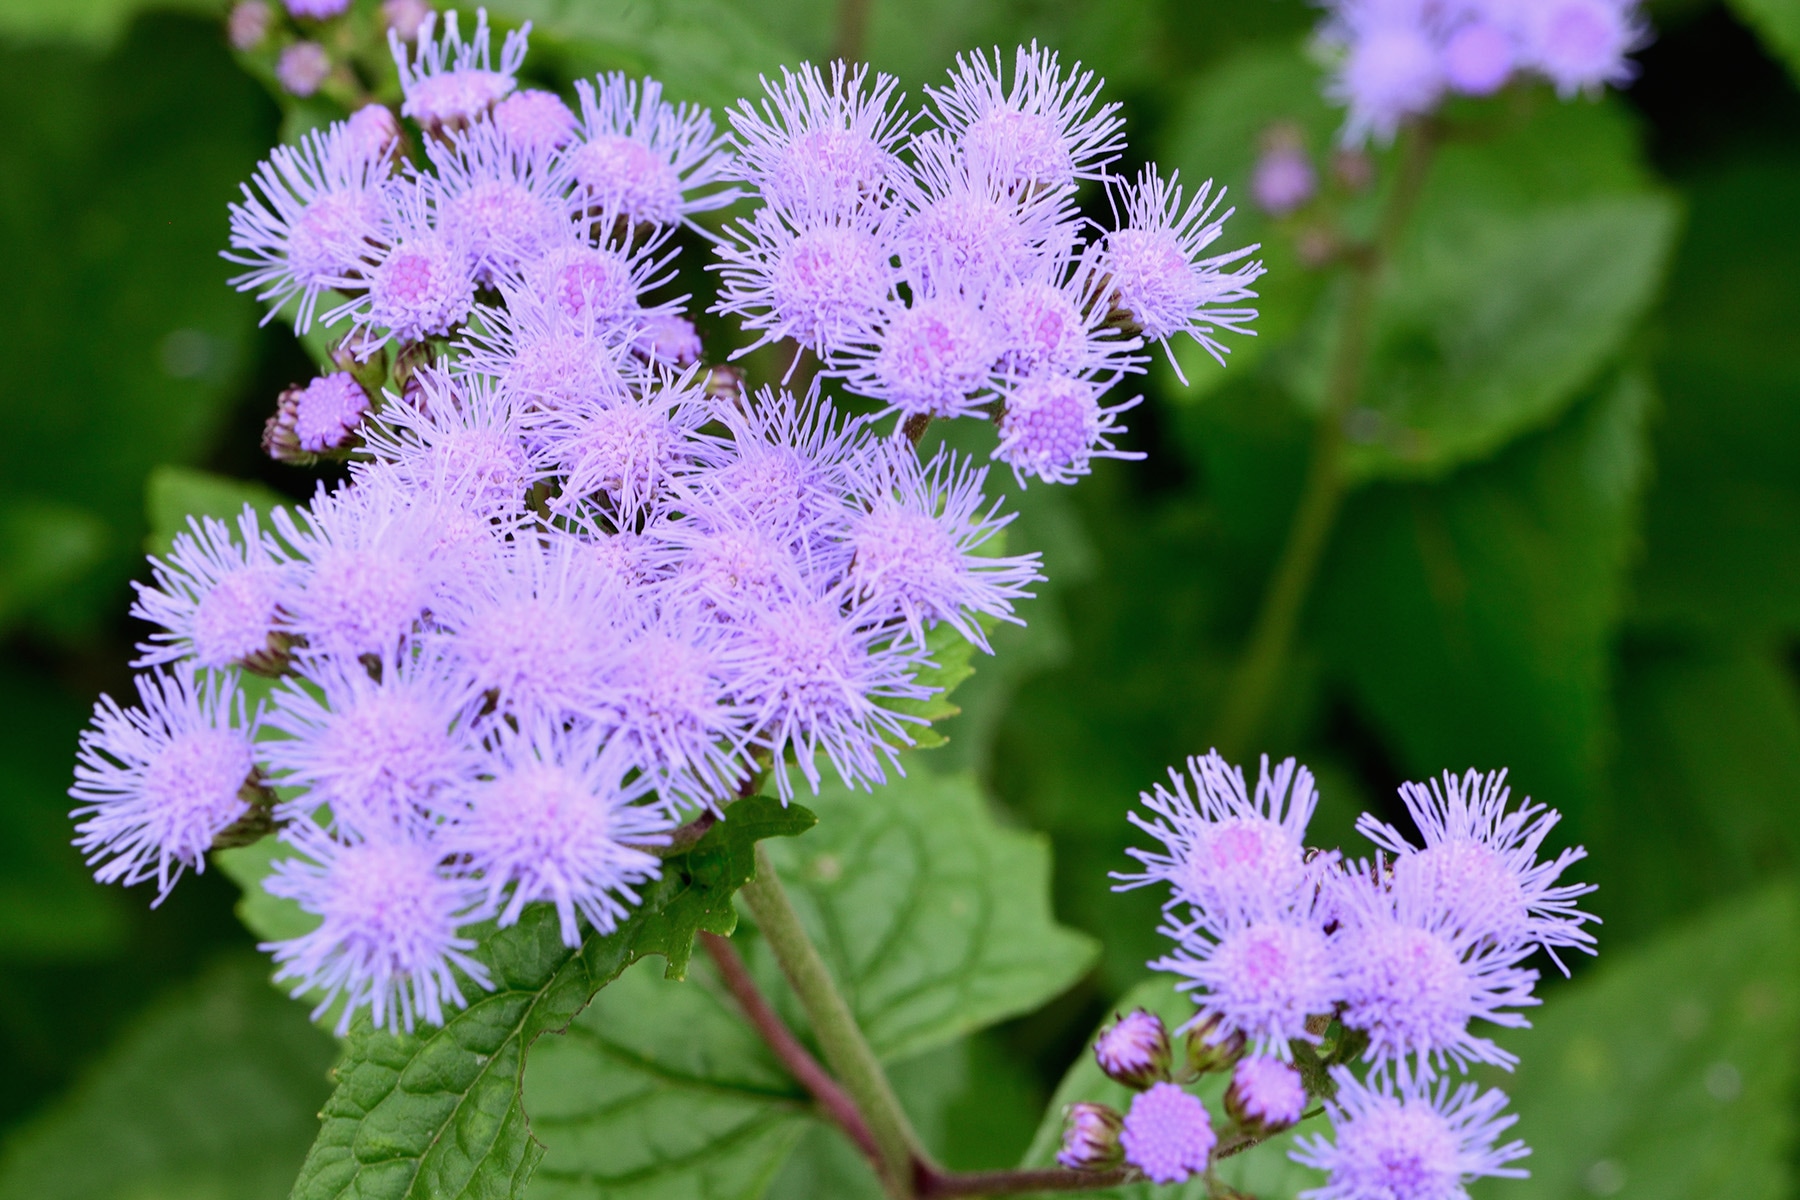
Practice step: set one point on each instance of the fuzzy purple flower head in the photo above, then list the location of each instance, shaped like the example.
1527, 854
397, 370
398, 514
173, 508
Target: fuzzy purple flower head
1168, 1134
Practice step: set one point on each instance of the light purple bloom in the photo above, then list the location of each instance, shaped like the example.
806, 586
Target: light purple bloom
405, 17
504, 203
155, 785
316, 10
822, 145
548, 357
1284, 179
316, 221
450, 83
823, 281
553, 819
1134, 1050
302, 67
1267, 1091
967, 232
1410, 1141
600, 283
1225, 853
1480, 863
916, 534
644, 158
457, 439
1168, 1134
1580, 45
1413, 982
381, 752
1052, 427
1478, 59
627, 451
788, 461
1042, 130
536, 122
387, 936
328, 412
423, 285
669, 339
215, 596
248, 24
934, 358
1391, 68
1156, 272
372, 130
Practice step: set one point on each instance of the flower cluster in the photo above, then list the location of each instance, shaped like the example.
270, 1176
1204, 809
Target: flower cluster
1298, 958
578, 588
1400, 58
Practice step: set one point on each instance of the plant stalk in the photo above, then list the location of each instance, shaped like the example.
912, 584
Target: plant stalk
1251, 688
840, 1039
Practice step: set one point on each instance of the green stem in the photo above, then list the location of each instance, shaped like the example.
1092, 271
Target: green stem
1258, 672
840, 1039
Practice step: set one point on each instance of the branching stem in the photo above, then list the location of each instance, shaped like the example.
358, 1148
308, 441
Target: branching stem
1253, 682
852, 1060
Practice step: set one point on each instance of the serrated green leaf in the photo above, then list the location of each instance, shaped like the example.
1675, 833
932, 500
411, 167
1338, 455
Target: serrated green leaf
1669, 1070
951, 655
173, 494
212, 1092
441, 1113
934, 917
935, 921
1473, 619
1491, 330
1264, 1171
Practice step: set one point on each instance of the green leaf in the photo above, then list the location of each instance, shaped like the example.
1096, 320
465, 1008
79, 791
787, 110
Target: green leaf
950, 665
1490, 330
1777, 22
441, 1113
934, 918
92, 21
1669, 1070
43, 547
270, 918
210, 1093
935, 922
1263, 1171
1473, 619
173, 494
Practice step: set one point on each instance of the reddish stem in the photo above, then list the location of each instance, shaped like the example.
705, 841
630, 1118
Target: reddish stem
798, 1060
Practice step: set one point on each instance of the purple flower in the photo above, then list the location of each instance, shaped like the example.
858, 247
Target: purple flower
1158, 277
823, 281
424, 285
1259, 971
1478, 59
155, 785
316, 10
536, 122
1413, 982
670, 702
1580, 45
1225, 853
1266, 1092
1090, 1138
405, 17
626, 451
328, 411
934, 358
733, 562
966, 231
643, 158
598, 283
821, 145
1053, 324
248, 24
815, 680
1043, 130
1284, 179
1408, 1142
545, 355
669, 339
215, 596
302, 67
449, 83
553, 819
788, 461
455, 438
371, 131
1168, 1134
1054, 426
387, 940
527, 627
504, 203
1480, 864
370, 570
1391, 70
916, 535
1134, 1050
381, 752
315, 222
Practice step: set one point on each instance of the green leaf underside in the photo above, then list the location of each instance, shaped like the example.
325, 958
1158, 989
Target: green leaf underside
935, 921
1669, 1071
174, 494
1263, 1171
439, 1113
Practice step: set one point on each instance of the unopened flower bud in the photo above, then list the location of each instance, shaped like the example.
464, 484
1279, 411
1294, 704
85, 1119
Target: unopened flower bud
1209, 1051
725, 383
669, 339
320, 418
1284, 179
317, 10
1134, 1050
248, 24
405, 16
1266, 1095
1091, 1138
302, 67
370, 130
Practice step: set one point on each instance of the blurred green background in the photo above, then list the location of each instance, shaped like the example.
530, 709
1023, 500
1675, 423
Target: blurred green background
1575, 552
